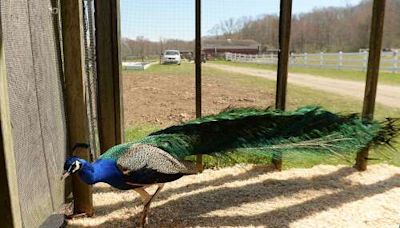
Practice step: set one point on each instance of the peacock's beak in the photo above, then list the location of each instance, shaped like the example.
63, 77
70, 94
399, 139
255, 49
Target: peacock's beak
65, 175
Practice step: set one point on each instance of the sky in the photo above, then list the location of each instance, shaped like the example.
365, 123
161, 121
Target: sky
174, 19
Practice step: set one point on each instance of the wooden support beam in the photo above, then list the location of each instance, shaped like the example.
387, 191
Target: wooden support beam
199, 158
110, 104
75, 104
375, 49
9, 196
285, 21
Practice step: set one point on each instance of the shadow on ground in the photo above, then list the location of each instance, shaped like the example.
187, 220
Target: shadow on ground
192, 209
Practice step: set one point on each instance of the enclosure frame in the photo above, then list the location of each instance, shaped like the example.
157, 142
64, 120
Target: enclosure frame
75, 103
285, 21
108, 63
199, 157
110, 92
371, 84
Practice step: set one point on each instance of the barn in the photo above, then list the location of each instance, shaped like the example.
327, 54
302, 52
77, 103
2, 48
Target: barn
219, 47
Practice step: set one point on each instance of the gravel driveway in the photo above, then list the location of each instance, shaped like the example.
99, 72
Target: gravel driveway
386, 94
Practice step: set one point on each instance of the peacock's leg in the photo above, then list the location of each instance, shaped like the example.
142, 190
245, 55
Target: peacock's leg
147, 203
143, 194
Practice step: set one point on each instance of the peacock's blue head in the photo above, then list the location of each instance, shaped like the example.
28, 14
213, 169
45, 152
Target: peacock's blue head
72, 165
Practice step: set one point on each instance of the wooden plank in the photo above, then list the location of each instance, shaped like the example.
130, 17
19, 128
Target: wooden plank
375, 47
35, 108
199, 158
20, 30
49, 97
285, 21
110, 105
76, 115
9, 195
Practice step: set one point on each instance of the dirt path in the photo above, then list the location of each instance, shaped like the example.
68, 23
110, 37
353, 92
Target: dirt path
165, 99
386, 95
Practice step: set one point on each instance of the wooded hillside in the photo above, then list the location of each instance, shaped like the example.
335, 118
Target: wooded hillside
326, 29
329, 29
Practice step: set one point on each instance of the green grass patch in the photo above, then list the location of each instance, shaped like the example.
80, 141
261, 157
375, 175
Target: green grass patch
138, 132
350, 75
300, 96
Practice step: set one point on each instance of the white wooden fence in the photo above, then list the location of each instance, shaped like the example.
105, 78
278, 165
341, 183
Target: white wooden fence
390, 61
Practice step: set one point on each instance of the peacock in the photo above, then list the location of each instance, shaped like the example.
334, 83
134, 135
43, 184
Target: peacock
161, 156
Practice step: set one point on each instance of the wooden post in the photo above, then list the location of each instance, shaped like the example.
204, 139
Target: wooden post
285, 19
75, 105
305, 59
9, 196
321, 59
395, 61
110, 104
340, 60
365, 60
199, 158
375, 47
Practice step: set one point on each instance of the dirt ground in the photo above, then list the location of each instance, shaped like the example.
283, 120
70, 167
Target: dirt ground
386, 94
164, 99
251, 196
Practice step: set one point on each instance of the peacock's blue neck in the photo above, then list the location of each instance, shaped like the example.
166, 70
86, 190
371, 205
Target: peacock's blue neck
102, 170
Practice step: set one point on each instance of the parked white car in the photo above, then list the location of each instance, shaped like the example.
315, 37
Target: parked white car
171, 57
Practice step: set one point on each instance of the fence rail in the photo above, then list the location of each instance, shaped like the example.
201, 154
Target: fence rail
390, 61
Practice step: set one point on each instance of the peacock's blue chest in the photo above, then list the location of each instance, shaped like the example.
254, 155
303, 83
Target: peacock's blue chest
104, 170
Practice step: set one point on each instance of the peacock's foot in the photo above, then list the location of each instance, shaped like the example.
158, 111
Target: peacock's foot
80, 215
144, 220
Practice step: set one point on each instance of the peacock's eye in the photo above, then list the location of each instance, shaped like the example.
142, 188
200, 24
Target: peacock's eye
74, 167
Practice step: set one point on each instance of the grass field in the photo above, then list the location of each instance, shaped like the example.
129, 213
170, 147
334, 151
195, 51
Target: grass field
384, 77
262, 92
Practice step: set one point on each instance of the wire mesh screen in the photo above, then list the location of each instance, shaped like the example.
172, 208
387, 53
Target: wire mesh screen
91, 74
237, 28
36, 107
